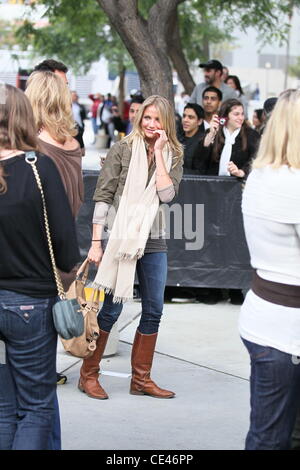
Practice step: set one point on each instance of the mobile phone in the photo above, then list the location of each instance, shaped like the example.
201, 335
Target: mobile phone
222, 121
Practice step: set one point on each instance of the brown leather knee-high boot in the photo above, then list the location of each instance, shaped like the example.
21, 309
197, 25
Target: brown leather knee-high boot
89, 372
141, 363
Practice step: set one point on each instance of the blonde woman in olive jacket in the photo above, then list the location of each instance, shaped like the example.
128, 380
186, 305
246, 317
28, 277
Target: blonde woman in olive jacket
140, 172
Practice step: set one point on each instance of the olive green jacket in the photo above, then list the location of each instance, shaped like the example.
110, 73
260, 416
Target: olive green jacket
111, 181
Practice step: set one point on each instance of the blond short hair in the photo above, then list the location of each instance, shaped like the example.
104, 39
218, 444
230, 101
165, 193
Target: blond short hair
167, 119
280, 143
51, 102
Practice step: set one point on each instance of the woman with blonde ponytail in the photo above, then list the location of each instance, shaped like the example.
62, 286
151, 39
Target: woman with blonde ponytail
270, 316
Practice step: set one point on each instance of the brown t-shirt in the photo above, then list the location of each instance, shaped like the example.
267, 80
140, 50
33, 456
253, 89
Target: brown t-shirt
68, 163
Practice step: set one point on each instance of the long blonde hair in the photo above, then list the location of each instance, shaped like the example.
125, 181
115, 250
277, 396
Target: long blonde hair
280, 143
167, 120
52, 105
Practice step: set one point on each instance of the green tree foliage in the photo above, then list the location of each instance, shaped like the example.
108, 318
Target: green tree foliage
78, 34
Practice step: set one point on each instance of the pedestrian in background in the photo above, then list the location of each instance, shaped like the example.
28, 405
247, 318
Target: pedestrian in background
97, 99
234, 82
27, 286
230, 145
145, 168
270, 317
213, 72
51, 65
51, 102
258, 120
79, 115
192, 132
52, 108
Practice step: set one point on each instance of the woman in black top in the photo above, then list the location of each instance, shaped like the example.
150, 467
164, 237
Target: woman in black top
27, 285
230, 144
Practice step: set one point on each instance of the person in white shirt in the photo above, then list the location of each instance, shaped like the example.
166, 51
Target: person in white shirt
270, 316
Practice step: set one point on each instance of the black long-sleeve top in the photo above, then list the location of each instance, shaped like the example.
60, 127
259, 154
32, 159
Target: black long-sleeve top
242, 158
25, 264
190, 146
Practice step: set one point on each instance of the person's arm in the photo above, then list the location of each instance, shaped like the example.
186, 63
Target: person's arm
164, 184
213, 129
104, 195
61, 221
253, 139
108, 179
163, 179
201, 157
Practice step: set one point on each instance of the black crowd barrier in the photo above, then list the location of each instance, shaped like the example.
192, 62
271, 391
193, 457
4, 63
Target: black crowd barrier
205, 235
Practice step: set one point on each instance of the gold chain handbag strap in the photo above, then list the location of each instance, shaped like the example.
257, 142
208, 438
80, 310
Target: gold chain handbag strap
31, 159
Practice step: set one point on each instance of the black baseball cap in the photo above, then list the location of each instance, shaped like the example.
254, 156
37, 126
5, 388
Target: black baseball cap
269, 104
212, 64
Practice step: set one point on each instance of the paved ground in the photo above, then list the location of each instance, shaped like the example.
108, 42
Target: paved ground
199, 355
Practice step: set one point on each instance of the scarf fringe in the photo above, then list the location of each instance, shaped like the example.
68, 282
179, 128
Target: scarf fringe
126, 256
109, 290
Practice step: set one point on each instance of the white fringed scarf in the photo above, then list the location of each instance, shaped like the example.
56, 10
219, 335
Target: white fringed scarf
227, 150
138, 207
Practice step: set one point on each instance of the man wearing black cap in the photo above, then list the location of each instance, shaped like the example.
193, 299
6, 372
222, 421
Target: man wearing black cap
213, 70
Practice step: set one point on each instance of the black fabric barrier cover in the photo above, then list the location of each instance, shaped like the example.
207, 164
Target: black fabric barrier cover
223, 260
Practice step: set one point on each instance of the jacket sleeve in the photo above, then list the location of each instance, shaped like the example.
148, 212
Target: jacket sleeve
253, 139
201, 157
176, 175
61, 221
109, 176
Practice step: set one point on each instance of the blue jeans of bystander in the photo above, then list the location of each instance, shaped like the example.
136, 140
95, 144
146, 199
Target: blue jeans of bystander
28, 379
275, 392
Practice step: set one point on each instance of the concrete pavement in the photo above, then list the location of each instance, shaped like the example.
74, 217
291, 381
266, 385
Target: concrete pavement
199, 355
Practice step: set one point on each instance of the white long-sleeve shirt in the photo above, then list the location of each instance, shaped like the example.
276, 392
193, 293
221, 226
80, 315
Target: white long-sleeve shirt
271, 211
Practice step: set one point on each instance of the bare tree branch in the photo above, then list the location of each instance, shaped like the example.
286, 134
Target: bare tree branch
176, 54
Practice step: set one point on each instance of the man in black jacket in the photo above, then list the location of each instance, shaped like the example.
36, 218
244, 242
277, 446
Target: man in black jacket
192, 132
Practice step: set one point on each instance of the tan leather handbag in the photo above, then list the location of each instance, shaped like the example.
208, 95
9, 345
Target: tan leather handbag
84, 346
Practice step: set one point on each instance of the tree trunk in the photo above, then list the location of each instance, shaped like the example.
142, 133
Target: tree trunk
121, 97
206, 52
177, 56
145, 41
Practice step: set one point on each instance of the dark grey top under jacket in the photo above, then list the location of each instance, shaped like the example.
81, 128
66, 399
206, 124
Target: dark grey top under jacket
110, 186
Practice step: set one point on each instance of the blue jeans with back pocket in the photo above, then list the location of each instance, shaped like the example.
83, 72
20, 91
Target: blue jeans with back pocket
275, 397
28, 379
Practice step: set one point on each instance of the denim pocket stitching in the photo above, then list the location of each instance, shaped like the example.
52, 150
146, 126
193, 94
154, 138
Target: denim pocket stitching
26, 315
